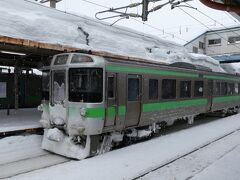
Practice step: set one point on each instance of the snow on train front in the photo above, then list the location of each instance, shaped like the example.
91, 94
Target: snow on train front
73, 117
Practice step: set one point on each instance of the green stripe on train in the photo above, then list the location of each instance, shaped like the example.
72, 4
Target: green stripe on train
148, 71
122, 110
225, 98
173, 104
111, 112
222, 78
100, 112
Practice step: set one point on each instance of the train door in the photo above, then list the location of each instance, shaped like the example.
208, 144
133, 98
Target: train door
111, 99
210, 94
134, 91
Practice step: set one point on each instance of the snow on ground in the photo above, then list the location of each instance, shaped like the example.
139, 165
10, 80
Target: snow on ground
200, 161
129, 162
31, 21
225, 168
19, 120
20, 147
19, 154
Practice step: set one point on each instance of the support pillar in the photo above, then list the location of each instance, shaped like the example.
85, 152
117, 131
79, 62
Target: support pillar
16, 87
53, 3
8, 92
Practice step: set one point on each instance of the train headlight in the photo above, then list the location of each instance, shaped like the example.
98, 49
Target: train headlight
83, 112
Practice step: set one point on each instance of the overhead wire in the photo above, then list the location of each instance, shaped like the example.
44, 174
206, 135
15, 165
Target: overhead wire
139, 21
96, 4
151, 26
207, 27
158, 29
170, 34
213, 19
236, 21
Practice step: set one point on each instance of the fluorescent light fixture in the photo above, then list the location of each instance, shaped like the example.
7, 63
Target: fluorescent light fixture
13, 53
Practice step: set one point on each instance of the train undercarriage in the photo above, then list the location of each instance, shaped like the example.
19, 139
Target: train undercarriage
81, 147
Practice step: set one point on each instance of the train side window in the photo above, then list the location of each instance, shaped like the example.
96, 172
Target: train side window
185, 89
198, 88
224, 88
239, 88
153, 89
133, 89
110, 87
230, 88
168, 88
218, 88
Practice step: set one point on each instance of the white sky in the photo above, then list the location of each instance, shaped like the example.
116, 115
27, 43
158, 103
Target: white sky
175, 22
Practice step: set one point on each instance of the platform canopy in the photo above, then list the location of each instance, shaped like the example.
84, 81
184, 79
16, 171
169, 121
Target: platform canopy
39, 32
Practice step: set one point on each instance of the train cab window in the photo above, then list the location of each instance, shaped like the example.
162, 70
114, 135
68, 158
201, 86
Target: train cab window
58, 86
230, 88
198, 88
153, 89
185, 89
86, 85
224, 88
217, 89
76, 58
168, 88
111, 88
61, 59
133, 89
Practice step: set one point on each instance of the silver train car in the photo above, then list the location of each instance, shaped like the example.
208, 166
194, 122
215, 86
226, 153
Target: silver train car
92, 103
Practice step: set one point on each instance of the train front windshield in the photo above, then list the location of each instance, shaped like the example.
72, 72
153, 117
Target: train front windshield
86, 85
59, 87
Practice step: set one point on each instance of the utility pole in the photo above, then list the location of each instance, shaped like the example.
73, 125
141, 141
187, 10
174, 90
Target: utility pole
52, 2
145, 10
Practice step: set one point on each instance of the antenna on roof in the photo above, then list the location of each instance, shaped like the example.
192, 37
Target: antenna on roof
52, 2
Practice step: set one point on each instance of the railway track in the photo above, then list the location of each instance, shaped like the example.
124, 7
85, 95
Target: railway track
182, 156
30, 164
45, 159
22, 131
22, 154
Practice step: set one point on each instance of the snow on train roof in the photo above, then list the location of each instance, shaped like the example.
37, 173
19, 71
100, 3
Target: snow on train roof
31, 21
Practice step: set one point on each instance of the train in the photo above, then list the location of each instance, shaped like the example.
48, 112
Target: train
94, 103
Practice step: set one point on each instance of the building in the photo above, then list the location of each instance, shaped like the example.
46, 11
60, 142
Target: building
221, 44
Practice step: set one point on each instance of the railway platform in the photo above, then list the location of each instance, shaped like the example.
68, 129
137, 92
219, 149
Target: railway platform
22, 120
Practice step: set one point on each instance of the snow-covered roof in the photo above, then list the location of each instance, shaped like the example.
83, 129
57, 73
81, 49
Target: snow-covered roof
27, 20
